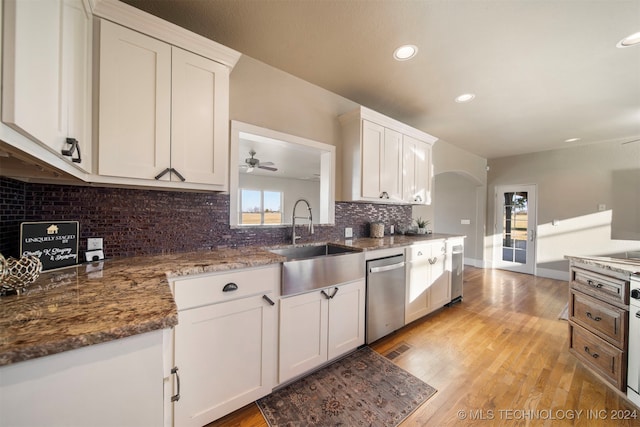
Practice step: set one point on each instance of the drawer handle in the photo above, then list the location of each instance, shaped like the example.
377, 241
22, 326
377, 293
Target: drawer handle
230, 287
176, 396
326, 295
433, 260
335, 291
269, 300
594, 355
595, 285
638, 314
590, 316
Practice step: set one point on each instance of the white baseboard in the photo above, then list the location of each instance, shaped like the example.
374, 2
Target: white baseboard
552, 274
474, 262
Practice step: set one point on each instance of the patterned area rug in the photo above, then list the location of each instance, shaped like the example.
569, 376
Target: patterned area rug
362, 389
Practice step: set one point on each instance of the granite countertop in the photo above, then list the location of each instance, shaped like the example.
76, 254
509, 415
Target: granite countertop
94, 303
394, 241
83, 305
620, 265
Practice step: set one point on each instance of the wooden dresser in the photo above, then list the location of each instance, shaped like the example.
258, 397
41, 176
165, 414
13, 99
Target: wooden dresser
599, 320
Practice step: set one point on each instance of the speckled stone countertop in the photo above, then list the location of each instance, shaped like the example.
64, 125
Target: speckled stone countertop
620, 265
395, 241
89, 304
83, 305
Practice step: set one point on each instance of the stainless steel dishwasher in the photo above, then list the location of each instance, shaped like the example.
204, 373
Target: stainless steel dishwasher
385, 296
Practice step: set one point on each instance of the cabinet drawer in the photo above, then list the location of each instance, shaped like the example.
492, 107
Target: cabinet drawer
605, 320
605, 287
210, 289
602, 357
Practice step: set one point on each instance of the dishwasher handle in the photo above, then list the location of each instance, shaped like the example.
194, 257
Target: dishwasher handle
387, 267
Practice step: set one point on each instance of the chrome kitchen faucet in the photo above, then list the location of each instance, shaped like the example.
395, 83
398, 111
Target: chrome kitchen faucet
294, 217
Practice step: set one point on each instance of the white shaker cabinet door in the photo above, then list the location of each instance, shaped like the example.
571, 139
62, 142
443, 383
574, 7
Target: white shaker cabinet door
372, 149
135, 104
47, 74
224, 353
303, 334
346, 318
416, 177
200, 125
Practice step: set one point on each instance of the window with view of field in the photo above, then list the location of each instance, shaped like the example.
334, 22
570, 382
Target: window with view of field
260, 207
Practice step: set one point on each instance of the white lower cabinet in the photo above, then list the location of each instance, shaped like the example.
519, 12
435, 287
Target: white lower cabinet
428, 286
117, 383
224, 343
318, 326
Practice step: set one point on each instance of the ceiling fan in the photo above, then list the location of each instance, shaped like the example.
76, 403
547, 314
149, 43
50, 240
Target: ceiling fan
251, 163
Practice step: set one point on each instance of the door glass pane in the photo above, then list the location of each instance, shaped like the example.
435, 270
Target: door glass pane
514, 227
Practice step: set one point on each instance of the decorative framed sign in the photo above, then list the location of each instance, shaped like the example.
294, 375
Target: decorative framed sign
55, 242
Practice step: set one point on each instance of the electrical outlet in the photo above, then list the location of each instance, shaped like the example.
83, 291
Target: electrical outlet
94, 243
465, 221
348, 232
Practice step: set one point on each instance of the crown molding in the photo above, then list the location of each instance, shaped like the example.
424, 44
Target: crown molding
143, 22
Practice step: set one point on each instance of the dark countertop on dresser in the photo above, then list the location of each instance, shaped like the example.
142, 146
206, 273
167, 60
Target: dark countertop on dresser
83, 305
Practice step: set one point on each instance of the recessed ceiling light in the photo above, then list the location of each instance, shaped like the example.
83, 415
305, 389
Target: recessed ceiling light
629, 40
465, 97
572, 140
405, 52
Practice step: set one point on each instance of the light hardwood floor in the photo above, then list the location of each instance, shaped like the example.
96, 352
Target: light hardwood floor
500, 357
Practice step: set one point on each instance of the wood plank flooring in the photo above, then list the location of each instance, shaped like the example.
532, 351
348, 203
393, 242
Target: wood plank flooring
500, 357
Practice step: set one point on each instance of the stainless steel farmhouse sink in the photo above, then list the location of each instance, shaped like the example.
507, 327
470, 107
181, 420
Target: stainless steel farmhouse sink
318, 266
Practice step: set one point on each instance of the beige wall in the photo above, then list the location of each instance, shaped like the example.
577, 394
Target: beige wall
270, 98
571, 183
265, 96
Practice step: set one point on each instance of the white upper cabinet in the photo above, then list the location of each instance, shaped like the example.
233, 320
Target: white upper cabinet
417, 171
163, 111
384, 160
134, 123
46, 75
200, 118
381, 162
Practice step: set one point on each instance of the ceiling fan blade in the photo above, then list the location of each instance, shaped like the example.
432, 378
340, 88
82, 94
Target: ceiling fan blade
629, 142
267, 168
267, 163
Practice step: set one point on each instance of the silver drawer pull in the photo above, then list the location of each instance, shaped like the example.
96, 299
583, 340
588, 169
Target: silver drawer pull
176, 396
594, 355
230, 287
595, 285
433, 260
590, 316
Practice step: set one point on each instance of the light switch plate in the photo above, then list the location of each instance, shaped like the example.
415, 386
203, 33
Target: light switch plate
465, 221
94, 243
348, 232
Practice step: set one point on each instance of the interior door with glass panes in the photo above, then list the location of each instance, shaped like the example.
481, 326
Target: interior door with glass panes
515, 228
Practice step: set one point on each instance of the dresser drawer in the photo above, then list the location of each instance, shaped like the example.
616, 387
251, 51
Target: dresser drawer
605, 320
227, 286
600, 286
605, 359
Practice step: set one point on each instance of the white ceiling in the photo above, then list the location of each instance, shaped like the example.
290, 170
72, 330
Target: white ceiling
543, 71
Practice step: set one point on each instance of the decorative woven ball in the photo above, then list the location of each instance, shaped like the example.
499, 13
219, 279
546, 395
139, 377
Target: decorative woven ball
18, 273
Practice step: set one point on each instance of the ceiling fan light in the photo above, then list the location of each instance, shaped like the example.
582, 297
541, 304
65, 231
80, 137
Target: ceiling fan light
405, 52
630, 40
465, 97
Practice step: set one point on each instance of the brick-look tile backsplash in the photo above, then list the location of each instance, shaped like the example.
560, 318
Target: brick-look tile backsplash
147, 222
